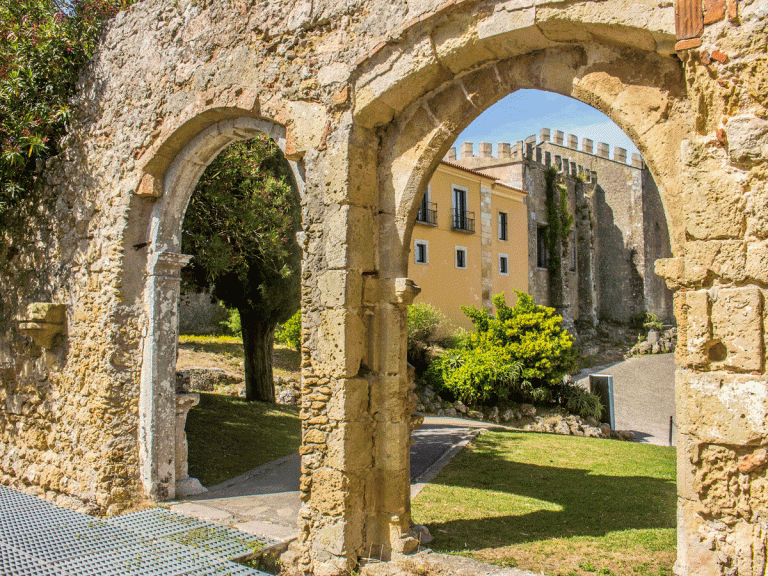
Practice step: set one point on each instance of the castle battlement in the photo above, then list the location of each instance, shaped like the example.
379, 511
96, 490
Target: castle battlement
527, 149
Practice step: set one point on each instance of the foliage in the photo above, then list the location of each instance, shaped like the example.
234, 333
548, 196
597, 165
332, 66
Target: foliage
533, 335
475, 375
522, 353
559, 220
427, 326
232, 324
289, 333
43, 45
646, 320
240, 227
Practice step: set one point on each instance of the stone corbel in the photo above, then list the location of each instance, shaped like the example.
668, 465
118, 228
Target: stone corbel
405, 291
43, 322
168, 264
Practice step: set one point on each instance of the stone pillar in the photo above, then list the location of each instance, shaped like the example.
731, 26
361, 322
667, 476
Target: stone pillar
486, 248
573, 141
603, 149
559, 137
620, 155
586, 145
185, 486
467, 150
157, 399
504, 150
388, 493
486, 150
544, 135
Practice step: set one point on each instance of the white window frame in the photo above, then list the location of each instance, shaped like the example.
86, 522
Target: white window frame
456, 250
505, 257
416, 244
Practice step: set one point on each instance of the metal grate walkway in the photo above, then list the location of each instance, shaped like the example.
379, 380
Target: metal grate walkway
40, 539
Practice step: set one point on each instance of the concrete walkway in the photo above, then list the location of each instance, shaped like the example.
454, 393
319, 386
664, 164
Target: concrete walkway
265, 500
644, 397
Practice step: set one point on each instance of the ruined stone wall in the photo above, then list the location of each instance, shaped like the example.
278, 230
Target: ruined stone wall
366, 98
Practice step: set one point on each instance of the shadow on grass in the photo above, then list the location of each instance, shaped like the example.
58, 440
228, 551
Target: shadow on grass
228, 436
544, 501
233, 349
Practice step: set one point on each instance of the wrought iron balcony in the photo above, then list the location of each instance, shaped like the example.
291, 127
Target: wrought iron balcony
463, 221
427, 213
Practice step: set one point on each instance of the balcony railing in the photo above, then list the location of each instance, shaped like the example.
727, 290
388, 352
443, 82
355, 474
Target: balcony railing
427, 214
463, 221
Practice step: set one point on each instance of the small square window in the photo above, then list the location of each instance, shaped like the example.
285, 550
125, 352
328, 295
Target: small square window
420, 252
461, 257
503, 264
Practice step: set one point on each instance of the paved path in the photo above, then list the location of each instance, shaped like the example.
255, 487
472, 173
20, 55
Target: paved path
266, 500
644, 396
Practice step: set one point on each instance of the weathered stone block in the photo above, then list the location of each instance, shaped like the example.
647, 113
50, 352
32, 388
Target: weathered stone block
340, 288
349, 400
348, 232
328, 491
340, 346
350, 447
723, 408
737, 325
747, 138
696, 329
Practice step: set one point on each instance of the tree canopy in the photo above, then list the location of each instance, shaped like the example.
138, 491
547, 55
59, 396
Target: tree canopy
240, 227
43, 46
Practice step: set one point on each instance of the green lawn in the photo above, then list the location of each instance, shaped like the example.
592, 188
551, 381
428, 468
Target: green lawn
228, 436
560, 505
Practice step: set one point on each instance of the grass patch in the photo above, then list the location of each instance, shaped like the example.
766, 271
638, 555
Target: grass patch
228, 436
227, 352
561, 505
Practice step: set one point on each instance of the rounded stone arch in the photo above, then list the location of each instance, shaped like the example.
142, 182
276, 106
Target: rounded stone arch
413, 97
637, 90
162, 443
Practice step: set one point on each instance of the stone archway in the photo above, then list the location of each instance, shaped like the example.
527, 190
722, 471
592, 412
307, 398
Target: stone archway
158, 436
371, 94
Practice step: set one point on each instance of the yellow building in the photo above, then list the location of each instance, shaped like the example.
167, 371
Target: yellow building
470, 242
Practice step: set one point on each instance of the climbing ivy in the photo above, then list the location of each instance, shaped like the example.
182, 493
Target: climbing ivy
558, 218
43, 46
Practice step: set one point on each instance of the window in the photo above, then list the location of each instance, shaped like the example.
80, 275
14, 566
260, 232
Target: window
572, 240
420, 251
502, 225
427, 210
461, 257
503, 264
542, 253
462, 218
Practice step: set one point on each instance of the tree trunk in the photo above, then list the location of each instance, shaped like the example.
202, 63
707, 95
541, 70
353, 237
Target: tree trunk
258, 338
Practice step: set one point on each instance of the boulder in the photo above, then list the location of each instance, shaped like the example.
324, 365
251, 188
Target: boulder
528, 410
562, 428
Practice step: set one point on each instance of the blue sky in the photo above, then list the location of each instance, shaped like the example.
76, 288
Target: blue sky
525, 112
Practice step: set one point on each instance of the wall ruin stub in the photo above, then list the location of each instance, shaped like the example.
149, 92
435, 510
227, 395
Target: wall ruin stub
369, 97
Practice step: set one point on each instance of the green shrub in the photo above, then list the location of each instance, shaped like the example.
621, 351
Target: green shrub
533, 335
427, 326
522, 353
232, 324
289, 333
474, 375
